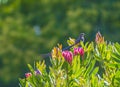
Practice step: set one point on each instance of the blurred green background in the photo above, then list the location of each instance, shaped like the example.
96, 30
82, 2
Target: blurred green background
31, 27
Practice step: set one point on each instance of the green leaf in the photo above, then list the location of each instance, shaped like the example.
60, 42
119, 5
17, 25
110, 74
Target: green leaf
117, 46
31, 69
22, 82
94, 72
116, 57
89, 69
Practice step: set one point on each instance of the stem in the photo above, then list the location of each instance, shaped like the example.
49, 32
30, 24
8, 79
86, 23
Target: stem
67, 76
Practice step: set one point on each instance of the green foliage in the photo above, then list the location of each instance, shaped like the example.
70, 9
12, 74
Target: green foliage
99, 67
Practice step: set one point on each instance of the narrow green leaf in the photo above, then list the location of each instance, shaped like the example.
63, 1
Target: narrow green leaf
94, 72
31, 69
89, 69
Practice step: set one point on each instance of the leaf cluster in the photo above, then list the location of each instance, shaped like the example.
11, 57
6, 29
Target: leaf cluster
100, 67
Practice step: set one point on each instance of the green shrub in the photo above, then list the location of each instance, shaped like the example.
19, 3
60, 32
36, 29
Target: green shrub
94, 64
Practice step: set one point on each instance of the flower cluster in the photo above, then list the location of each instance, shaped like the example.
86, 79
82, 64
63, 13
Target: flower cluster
99, 38
37, 72
28, 74
79, 51
56, 52
68, 55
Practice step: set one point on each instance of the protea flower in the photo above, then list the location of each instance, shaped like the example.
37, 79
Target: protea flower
99, 38
56, 52
79, 51
28, 74
68, 56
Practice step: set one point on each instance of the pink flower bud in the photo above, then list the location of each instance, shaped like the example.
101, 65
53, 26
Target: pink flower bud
68, 56
28, 75
79, 50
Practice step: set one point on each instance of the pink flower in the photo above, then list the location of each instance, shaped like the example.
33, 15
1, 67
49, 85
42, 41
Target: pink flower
28, 75
79, 50
68, 56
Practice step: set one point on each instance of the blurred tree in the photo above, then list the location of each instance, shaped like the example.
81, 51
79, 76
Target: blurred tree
57, 20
